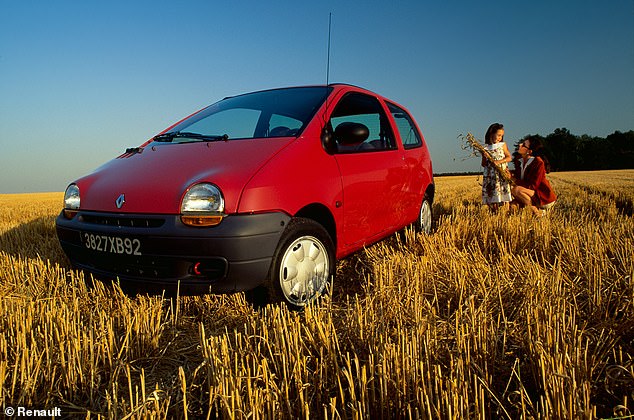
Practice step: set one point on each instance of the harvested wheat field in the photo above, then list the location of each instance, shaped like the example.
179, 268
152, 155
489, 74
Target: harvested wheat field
491, 316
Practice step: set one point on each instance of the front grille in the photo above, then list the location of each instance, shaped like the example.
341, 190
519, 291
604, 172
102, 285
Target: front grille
133, 222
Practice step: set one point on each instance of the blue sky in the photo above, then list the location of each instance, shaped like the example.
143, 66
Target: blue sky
82, 80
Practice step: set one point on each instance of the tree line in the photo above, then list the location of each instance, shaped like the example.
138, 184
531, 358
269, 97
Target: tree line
569, 152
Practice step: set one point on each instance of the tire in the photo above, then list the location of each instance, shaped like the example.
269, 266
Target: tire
424, 221
303, 264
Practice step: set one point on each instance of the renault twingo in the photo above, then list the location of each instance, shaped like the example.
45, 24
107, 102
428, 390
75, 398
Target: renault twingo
263, 190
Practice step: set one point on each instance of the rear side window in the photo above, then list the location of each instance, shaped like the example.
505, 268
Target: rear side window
406, 128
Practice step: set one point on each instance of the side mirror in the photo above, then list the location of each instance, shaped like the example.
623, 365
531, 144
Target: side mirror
327, 140
351, 133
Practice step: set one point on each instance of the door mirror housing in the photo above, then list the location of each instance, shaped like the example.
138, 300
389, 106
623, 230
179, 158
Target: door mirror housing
351, 133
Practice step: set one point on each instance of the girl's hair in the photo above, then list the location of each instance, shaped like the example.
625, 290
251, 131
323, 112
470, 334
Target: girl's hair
493, 128
537, 150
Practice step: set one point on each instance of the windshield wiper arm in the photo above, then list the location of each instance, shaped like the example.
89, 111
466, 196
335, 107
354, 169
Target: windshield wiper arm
204, 137
167, 137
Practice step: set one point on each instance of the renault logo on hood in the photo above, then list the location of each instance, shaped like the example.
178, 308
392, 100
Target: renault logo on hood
120, 201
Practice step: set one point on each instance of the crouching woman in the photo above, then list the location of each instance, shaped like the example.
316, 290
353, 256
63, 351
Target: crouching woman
532, 188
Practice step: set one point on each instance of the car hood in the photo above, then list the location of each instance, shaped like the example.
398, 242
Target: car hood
154, 180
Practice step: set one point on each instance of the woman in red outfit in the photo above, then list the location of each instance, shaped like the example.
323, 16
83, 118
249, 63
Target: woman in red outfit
532, 188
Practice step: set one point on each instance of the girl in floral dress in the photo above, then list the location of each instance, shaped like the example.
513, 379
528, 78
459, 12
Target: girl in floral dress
496, 191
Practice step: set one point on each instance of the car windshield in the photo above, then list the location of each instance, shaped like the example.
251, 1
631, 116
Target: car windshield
270, 113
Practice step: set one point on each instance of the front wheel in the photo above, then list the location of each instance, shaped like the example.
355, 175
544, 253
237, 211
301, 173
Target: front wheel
303, 264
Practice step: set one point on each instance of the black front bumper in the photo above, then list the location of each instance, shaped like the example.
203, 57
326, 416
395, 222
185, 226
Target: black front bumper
157, 252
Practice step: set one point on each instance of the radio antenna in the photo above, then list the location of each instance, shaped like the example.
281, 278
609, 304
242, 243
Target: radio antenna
326, 132
328, 60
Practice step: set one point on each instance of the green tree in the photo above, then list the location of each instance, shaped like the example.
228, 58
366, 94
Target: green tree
568, 152
622, 145
564, 150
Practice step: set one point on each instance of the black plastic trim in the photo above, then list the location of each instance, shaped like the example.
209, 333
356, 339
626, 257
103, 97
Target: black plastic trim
235, 255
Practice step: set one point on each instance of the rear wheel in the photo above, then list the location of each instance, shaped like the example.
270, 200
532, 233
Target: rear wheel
303, 264
424, 221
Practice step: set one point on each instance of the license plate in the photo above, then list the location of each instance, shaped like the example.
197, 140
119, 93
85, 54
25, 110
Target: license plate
111, 244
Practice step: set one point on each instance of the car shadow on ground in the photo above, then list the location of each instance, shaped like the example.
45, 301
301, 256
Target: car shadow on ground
34, 239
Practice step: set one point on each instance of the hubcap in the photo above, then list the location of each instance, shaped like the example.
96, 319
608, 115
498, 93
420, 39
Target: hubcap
304, 270
425, 217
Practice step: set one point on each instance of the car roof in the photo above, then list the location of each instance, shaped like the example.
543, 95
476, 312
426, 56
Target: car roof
333, 85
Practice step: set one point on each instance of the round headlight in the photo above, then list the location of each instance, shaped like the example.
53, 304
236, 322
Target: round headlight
202, 205
71, 201
205, 198
71, 197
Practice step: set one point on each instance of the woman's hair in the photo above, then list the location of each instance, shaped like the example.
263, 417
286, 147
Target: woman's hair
537, 150
493, 128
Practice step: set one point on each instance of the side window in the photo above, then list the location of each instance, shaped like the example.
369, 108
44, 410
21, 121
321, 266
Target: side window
366, 111
282, 126
406, 128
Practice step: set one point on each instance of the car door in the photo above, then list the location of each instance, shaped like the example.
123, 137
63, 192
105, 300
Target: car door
415, 158
372, 171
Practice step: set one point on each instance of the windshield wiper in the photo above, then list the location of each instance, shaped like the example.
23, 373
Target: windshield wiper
168, 137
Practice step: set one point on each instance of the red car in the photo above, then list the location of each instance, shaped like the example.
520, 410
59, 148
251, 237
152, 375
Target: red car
263, 190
